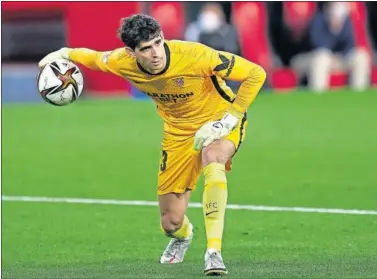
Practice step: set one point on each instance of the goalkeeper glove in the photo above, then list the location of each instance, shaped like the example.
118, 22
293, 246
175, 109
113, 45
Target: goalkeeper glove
215, 130
59, 54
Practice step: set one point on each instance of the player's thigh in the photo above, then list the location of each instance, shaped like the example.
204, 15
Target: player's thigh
222, 151
219, 151
180, 166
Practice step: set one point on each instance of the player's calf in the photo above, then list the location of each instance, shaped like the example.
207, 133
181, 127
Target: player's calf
176, 225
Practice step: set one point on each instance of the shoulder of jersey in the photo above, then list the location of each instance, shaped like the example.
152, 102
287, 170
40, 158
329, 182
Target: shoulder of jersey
118, 58
193, 49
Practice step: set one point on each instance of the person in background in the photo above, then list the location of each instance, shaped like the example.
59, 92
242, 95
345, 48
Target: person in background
332, 48
211, 29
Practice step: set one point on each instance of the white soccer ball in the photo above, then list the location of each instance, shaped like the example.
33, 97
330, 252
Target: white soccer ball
60, 82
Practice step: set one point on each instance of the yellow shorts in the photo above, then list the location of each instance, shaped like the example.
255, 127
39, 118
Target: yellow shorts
181, 165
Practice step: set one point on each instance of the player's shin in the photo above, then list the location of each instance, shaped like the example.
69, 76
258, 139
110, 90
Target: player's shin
214, 203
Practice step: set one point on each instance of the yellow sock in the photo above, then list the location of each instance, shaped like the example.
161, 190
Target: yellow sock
182, 232
214, 203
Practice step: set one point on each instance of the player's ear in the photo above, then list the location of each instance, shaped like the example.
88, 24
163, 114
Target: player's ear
130, 51
162, 35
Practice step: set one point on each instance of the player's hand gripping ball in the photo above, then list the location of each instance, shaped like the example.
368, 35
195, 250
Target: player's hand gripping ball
60, 82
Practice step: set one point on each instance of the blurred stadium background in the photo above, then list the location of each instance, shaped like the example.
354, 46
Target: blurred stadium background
270, 34
302, 149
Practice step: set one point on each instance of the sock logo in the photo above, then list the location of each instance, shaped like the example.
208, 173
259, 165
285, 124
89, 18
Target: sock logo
208, 213
211, 205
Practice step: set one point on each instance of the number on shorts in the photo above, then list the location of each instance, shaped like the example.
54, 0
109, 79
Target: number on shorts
164, 159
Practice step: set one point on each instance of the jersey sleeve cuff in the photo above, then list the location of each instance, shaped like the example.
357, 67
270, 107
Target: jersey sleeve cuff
237, 112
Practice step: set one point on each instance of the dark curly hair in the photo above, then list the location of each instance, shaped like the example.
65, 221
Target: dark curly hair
137, 28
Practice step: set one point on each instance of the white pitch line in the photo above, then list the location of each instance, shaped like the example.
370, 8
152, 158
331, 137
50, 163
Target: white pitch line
193, 205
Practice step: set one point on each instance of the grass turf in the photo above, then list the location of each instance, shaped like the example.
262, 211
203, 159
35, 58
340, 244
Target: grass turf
301, 150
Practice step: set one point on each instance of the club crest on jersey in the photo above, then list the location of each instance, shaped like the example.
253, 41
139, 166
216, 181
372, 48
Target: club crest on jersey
179, 82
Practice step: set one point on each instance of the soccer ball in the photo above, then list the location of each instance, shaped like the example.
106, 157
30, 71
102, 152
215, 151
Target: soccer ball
60, 82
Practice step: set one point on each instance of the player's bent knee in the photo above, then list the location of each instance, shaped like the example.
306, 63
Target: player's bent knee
218, 152
212, 156
171, 223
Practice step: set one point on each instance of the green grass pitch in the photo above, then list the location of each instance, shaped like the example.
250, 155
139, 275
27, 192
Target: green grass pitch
301, 149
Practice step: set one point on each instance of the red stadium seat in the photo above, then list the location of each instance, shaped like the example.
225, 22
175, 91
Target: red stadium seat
338, 80
358, 17
297, 16
250, 19
171, 16
284, 79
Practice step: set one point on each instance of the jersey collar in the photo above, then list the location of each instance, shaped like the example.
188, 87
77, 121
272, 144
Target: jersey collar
167, 52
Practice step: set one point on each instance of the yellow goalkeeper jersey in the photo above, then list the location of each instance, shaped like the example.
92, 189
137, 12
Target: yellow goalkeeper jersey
190, 90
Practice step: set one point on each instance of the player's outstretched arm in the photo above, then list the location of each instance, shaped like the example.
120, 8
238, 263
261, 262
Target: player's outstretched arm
91, 59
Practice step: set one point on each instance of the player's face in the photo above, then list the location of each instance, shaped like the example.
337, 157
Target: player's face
151, 55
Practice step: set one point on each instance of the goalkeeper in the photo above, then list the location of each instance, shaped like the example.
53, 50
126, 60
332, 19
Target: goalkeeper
204, 122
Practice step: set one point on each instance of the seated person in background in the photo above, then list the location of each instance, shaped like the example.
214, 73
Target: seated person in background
332, 48
211, 29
